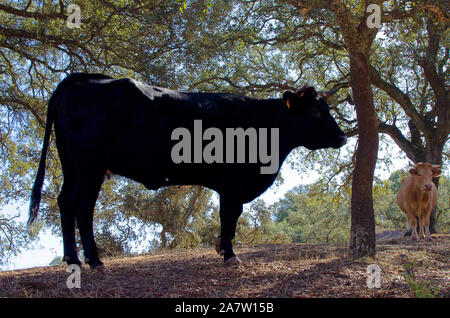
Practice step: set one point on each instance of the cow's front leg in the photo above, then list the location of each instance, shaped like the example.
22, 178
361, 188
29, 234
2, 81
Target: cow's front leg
413, 225
421, 226
230, 210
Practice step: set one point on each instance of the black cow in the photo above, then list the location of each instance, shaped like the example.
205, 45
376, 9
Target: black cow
120, 125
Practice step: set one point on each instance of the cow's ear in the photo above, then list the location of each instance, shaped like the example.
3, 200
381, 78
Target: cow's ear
288, 97
311, 92
413, 171
307, 91
436, 171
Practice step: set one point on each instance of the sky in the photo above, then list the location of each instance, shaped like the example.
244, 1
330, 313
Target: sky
50, 246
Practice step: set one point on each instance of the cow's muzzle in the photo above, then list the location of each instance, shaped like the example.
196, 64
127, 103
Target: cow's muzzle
342, 140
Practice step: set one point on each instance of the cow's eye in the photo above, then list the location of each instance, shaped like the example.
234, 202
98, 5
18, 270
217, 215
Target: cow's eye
316, 113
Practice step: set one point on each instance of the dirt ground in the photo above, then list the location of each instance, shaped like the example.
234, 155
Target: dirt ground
408, 269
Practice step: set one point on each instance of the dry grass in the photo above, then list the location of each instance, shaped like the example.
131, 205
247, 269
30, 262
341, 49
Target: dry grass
301, 270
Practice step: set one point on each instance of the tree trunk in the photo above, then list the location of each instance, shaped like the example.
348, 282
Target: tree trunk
163, 238
433, 220
435, 159
362, 236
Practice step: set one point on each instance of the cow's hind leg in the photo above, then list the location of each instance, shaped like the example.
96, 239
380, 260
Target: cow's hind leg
83, 200
409, 230
68, 222
230, 210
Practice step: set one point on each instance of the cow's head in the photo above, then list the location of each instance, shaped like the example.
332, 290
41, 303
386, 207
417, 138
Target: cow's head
423, 173
309, 115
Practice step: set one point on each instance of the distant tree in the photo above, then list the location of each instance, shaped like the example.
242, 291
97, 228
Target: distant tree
174, 208
13, 238
109, 245
254, 226
208, 226
443, 205
312, 217
396, 179
56, 261
387, 213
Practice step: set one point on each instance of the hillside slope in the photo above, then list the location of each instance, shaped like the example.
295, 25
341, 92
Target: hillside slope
301, 270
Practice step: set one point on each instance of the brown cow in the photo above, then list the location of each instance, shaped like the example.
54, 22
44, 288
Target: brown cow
417, 197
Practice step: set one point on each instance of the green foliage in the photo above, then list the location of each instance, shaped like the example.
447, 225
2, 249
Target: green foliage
109, 245
205, 3
306, 216
419, 289
13, 238
56, 261
443, 205
256, 226
176, 209
387, 213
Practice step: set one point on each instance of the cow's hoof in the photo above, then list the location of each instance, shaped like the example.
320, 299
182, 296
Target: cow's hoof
71, 261
233, 261
95, 264
429, 239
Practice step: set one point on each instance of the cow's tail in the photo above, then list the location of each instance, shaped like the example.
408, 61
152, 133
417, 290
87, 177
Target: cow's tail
37, 187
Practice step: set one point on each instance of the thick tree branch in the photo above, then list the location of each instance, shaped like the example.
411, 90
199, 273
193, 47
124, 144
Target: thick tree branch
429, 62
25, 105
22, 34
412, 151
23, 53
32, 14
415, 134
271, 86
402, 99
399, 14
